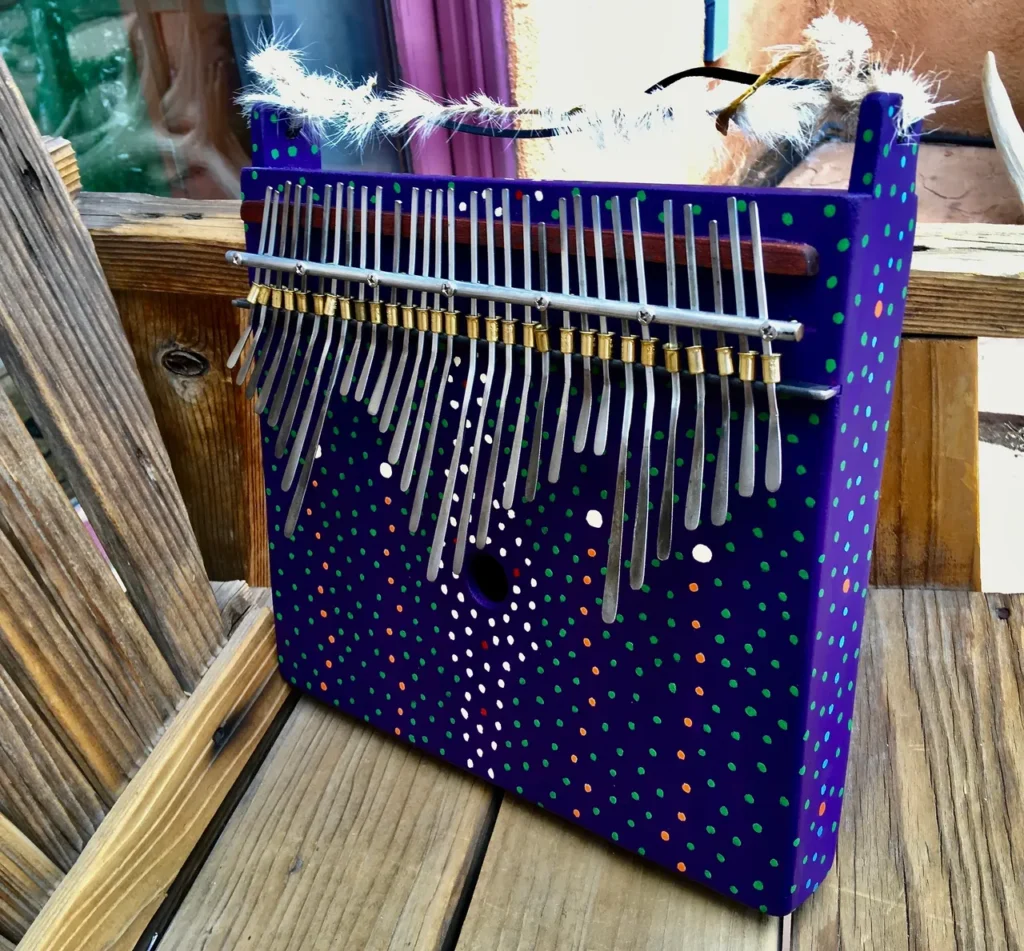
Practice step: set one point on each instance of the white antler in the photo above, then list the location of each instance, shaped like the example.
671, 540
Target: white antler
1006, 131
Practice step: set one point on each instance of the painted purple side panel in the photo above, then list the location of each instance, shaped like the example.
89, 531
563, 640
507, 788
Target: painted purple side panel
708, 727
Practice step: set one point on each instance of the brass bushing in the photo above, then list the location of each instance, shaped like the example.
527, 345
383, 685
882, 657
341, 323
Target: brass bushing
391, 315
695, 359
725, 363
771, 367
437, 321
302, 302
648, 351
276, 297
422, 319
451, 323
543, 343
673, 357
265, 293
627, 344
748, 366
360, 310
528, 334
376, 312
567, 339
491, 329
318, 304
253, 297
289, 299
473, 327
345, 307
330, 305
588, 342
408, 316
508, 332
604, 346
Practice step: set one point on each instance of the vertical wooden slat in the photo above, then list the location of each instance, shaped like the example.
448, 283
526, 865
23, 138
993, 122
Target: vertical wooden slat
181, 342
61, 338
27, 877
928, 520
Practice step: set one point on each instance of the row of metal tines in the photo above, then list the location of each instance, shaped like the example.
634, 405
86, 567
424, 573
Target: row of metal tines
277, 299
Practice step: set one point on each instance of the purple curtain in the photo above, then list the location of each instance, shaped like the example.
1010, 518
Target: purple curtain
451, 49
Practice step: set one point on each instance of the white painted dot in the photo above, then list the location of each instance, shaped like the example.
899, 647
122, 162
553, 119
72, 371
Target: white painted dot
539, 195
503, 553
701, 553
515, 587
472, 612
501, 683
490, 773
469, 763
469, 697
386, 471
479, 729
469, 631
454, 404
526, 627
444, 589
497, 212
494, 744
499, 704
462, 206
481, 688
455, 614
461, 597
462, 710
465, 737
457, 361
505, 665
491, 621
595, 519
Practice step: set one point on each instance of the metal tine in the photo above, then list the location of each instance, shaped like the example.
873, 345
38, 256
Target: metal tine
364, 376
746, 474
610, 598
413, 449
300, 380
442, 385
773, 458
422, 322
605, 405
668, 485
720, 493
638, 556
243, 370
240, 346
499, 421
407, 311
694, 362
314, 392
462, 534
533, 469
382, 378
286, 373
586, 338
359, 306
512, 476
555, 465
268, 340
473, 325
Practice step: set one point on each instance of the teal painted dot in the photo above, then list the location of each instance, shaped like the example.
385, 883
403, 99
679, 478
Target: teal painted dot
787, 218
829, 210
830, 365
314, 149
878, 191
273, 117
255, 174
865, 241
832, 282
292, 151
868, 135
843, 244
275, 154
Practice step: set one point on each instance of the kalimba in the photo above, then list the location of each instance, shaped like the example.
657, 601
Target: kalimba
574, 485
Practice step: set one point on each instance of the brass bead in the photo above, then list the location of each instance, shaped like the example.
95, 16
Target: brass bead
508, 332
451, 323
528, 334
276, 297
318, 304
302, 302
289, 299
588, 342
331, 305
543, 343
376, 312
473, 327
725, 364
648, 350
345, 307
748, 366
391, 315
491, 329
604, 346
567, 339
360, 310
408, 316
265, 293
422, 319
771, 367
253, 296
673, 357
437, 321
627, 343
695, 360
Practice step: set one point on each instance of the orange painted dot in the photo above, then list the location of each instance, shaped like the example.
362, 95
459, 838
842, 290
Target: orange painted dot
387, 554
583, 731
846, 586
389, 631
323, 686
576, 813
681, 816
315, 483
309, 511
583, 611
591, 552
391, 580
681, 866
586, 642
325, 566
821, 809
573, 758
323, 613
878, 309
398, 608
664, 836
592, 702
687, 721
329, 664
695, 625
594, 671
699, 657
586, 787
401, 712
391, 658
693, 586
398, 732
401, 685
680, 754
699, 691
387, 499
319, 589
391, 528
318, 535
686, 787
586, 579
330, 638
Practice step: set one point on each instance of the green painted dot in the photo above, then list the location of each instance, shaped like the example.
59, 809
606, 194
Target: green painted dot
838, 317
829, 211
314, 149
868, 135
830, 365
554, 213
640, 195
787, 218
292, 151
843, 244
867, 178
832, 282
274, 154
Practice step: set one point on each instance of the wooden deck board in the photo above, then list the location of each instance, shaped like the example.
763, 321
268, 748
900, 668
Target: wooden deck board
345, 839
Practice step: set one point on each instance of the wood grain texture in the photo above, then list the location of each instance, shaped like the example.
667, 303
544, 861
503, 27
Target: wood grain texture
181, 344
176, 245
928, 519
62, 341
49, 537
106, 899
62, 154
346, 838
931, 843
546, 884
27, 877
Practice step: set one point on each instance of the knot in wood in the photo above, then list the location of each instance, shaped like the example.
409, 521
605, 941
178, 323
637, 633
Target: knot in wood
182, 362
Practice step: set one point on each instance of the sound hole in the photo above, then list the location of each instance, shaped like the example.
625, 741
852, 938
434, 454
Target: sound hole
488, 582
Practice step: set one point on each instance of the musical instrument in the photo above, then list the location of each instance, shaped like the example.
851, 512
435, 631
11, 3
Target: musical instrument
574, 485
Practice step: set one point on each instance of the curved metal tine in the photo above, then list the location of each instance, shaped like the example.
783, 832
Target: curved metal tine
378, 224
746, 474
382, 378
314, 390
240, 346
257, 338
511, 477
295, 508
412, 451
555, 465
275, 313
604, 408
695, 484
442, 384
668, 484
773, 458
396, 381
267, 390
488, 379
579, 442
398, 439
448, 495
533, 470
486, 505
638, 556
720, 493
350, 369
286, 374
610, 598
300, 381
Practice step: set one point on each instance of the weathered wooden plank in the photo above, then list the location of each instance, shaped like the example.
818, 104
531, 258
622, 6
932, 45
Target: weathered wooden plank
930, 846
181, 344
5, 945
546, 884
928, 521
345, 838
62, 341
49, 537
176, 245
106, 899
27, 877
